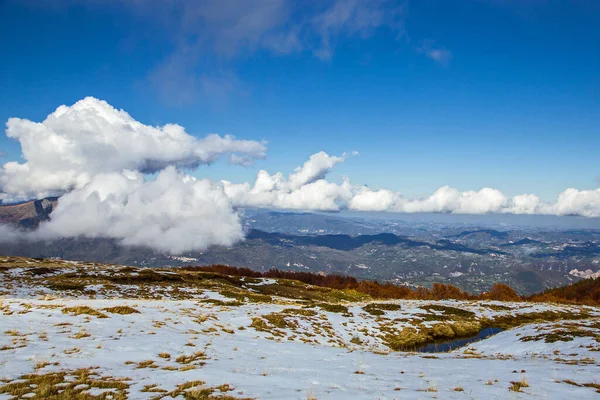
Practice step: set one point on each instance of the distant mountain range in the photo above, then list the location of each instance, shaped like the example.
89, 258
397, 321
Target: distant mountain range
489, 232
419, 253
346, 242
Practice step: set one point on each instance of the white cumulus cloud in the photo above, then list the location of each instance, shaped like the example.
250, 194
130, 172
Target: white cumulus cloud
75, 143
315, 168
578, 202
308, 189
305, 188
98, 157
175, 213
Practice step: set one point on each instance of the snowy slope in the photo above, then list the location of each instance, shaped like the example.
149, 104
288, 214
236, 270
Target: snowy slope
313, 353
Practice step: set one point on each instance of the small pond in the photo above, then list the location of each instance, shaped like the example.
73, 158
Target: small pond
449, 345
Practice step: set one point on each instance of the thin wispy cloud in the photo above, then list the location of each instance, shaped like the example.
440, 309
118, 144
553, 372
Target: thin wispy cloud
435, 52
229, 30
207, 37
175, 81
353, 18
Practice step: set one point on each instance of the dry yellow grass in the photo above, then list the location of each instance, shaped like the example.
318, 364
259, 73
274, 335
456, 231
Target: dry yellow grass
65, 385
146, 364
79, 310
123, 310
42, 364
195, 390
190, 358
80, 335
430, 388
516, 386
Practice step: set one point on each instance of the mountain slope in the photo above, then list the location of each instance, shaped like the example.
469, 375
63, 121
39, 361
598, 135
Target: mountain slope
81, 330
586, 291
28, 214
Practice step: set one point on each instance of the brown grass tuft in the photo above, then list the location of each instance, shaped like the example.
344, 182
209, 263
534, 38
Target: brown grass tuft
123, 310
78, 310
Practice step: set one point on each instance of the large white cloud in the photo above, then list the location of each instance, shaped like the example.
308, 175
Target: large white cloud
305, 188
173, 213
315, 168
76, 142
577, 202
447, 199
97, 158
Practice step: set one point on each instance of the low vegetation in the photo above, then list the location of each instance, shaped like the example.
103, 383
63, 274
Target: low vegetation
578, 293
586, 291
83, 310
380, 308
66, 385
593, 385
517, 386
234, 282
123, 310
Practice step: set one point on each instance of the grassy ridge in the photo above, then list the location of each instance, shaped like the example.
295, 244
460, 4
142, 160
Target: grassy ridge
374, 289
234, 283
585, 292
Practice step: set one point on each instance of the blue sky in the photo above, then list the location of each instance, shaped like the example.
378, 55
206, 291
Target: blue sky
469, 93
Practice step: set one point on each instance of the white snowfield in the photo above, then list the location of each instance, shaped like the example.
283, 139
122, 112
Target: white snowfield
171, 348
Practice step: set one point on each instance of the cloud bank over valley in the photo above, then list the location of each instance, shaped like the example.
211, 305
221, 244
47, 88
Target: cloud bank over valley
122, 179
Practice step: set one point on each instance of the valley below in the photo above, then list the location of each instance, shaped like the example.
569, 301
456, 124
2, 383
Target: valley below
472, 254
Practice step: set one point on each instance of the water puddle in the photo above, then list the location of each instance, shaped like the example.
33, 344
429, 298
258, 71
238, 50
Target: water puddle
449, 345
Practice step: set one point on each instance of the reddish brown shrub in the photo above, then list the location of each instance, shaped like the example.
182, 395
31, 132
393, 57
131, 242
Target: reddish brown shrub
586, 291
502, 292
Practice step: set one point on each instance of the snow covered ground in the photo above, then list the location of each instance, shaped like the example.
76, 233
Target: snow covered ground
149, 349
